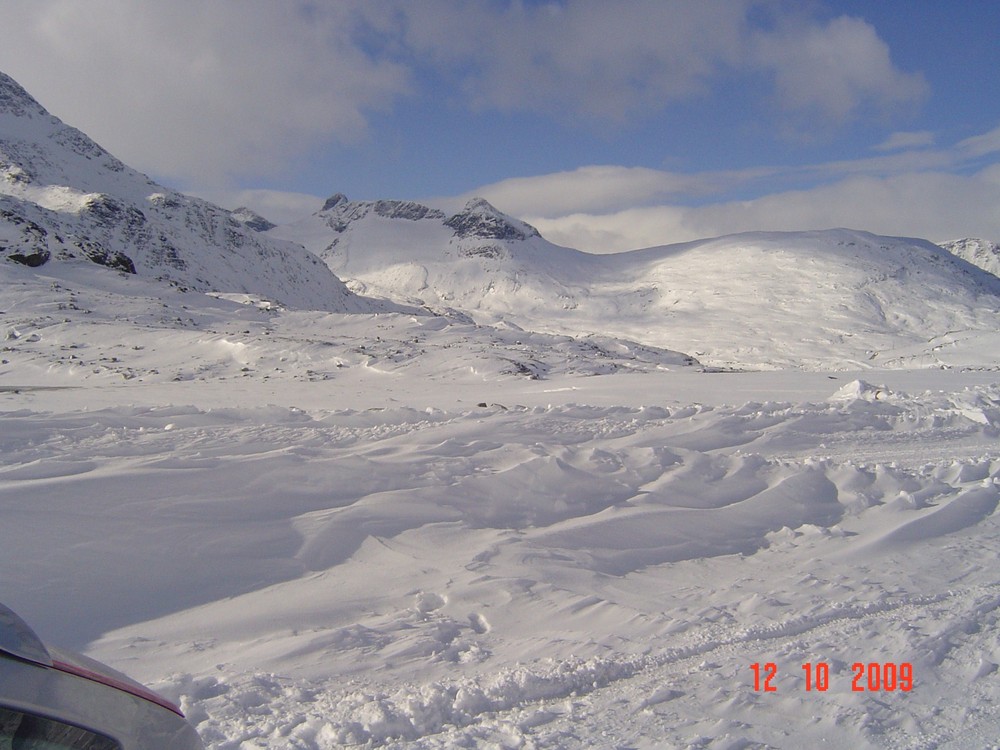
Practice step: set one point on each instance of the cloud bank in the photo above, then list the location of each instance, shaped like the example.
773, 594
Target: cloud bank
202, 91
929, 204
209, 92
214, 96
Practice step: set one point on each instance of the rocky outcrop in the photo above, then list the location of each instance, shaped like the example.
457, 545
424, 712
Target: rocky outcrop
341, 212
252, 220
981, 253
480, 219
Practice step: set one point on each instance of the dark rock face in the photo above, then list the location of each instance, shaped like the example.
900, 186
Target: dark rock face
34, 260
102, 256
252, 220
480, 219
114, 213
982, 253
405, 210
31, 248
343, 212
36, 244
28, 228
64, 197
333, 201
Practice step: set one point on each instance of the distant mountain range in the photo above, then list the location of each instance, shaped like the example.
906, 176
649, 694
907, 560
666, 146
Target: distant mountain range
815, 299
819, 298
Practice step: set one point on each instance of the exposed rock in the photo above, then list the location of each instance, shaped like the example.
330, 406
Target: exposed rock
34, 260
251, 219
102, 256
15, 100
482, 220
64, 198
333, 201
342, 211
406, 210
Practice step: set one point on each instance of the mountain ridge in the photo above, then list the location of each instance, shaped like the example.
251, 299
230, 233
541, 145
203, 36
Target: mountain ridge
831, 297
63, 197
826, 298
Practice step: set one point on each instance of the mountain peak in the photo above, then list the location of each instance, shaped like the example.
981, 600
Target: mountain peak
64, 198
339, 213
333, 201
481, 219
251, 219
16, 101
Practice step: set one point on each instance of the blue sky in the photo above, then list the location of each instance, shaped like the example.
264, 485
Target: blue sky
610, 124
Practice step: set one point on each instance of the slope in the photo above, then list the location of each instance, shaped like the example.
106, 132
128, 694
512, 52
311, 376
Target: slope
835, 298
64, 198
982, 253
477, 259
824, 298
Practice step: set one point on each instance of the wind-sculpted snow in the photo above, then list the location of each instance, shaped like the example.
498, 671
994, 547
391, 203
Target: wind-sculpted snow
529, 575
404, 529
499, 509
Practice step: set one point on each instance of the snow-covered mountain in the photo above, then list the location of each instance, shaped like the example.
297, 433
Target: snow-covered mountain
835, 298
63, 197
982, 253
826, 298
478, 259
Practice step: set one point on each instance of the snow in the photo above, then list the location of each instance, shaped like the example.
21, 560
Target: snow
63, 197
981, 253
523, 498
318, 530
833, 299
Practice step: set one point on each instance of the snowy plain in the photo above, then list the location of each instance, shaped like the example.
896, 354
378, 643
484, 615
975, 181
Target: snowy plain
403, 529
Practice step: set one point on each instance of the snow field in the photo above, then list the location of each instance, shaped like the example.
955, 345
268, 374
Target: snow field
522, 576
407, 530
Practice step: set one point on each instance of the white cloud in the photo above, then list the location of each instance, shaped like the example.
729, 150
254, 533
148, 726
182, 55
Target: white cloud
933, 205
836, 69
201, 91
277, 206
603, 58
613, 59
204, 93
921, 192
982, 145
906, 140
592, 188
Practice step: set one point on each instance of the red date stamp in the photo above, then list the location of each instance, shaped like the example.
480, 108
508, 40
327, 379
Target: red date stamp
868, 677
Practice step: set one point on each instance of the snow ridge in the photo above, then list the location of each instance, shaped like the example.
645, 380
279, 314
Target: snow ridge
15, 100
